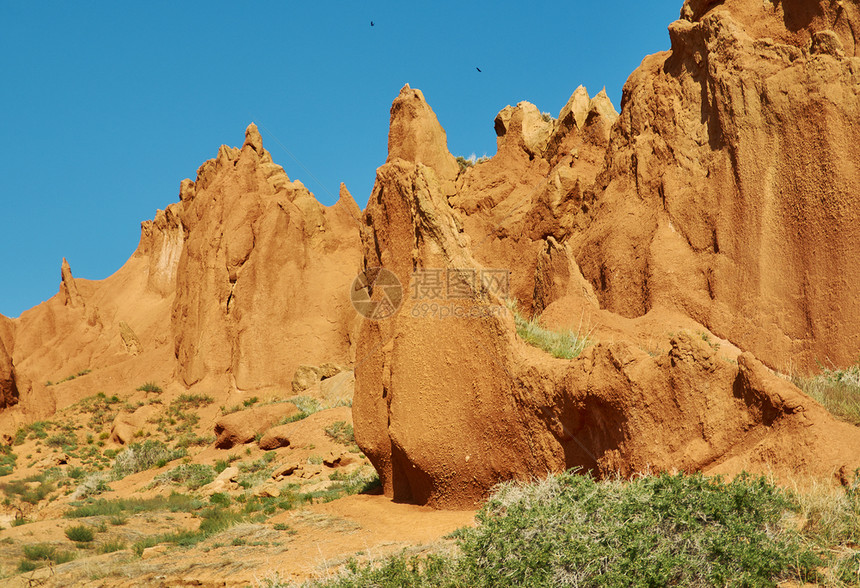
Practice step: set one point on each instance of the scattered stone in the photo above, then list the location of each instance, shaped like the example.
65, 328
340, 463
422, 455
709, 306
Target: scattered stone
275, 438
243, 426
267, 491
284, 470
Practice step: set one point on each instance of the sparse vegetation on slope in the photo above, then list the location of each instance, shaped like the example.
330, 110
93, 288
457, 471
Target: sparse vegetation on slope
668, 530
142, 456
149, 387
563, 344
837, 390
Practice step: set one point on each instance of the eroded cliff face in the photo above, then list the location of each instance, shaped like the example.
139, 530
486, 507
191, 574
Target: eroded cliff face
447, 406
730, 187
263, 277
8, 387
705, 234
233, 286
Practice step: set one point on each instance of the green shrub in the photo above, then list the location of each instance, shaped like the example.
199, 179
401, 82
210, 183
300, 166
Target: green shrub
80, 533
61, 440
570, 530
27, 493
149, 387
306, 405
7, 460
111, 545
186, 401
471, 161
117, 508
342, 432
45, 552
214, 520
220, 499
192, 475
138, 457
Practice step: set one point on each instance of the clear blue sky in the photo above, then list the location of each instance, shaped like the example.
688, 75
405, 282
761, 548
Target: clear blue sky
107, 106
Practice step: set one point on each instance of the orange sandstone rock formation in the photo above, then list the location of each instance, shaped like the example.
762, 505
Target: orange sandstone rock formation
718, 207
233, 287
720, 198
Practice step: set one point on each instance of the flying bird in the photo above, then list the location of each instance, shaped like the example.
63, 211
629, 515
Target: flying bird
478, 68
371, 23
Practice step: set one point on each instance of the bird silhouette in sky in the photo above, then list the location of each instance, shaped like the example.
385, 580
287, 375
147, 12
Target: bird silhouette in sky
371, 23
479, 69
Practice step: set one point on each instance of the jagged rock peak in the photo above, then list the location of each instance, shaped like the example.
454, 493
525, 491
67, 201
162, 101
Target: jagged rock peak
523, 126
415, 135
577, 107
187, 189
602, 105
68, 287
347, 201
253, 138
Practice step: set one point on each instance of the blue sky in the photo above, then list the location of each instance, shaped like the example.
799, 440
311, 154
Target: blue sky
107, 106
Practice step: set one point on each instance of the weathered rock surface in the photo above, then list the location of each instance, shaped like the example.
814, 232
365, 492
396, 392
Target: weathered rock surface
242, 427
688, 209
232, 287
126, 426
261, 253
731, 180
8, 388
719, 205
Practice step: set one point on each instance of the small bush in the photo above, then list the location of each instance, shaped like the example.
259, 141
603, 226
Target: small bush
7, 460
138, 457
111, 545
471, 161
192, 475
45, 552
62, 440
92, 485
174, 503
27, 493
186, 401
80, 533
306, 405
342, 432
149, 387
220, 499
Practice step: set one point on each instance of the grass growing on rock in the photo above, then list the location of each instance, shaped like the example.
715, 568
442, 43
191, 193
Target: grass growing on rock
564, 344
837, 390
667, 530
